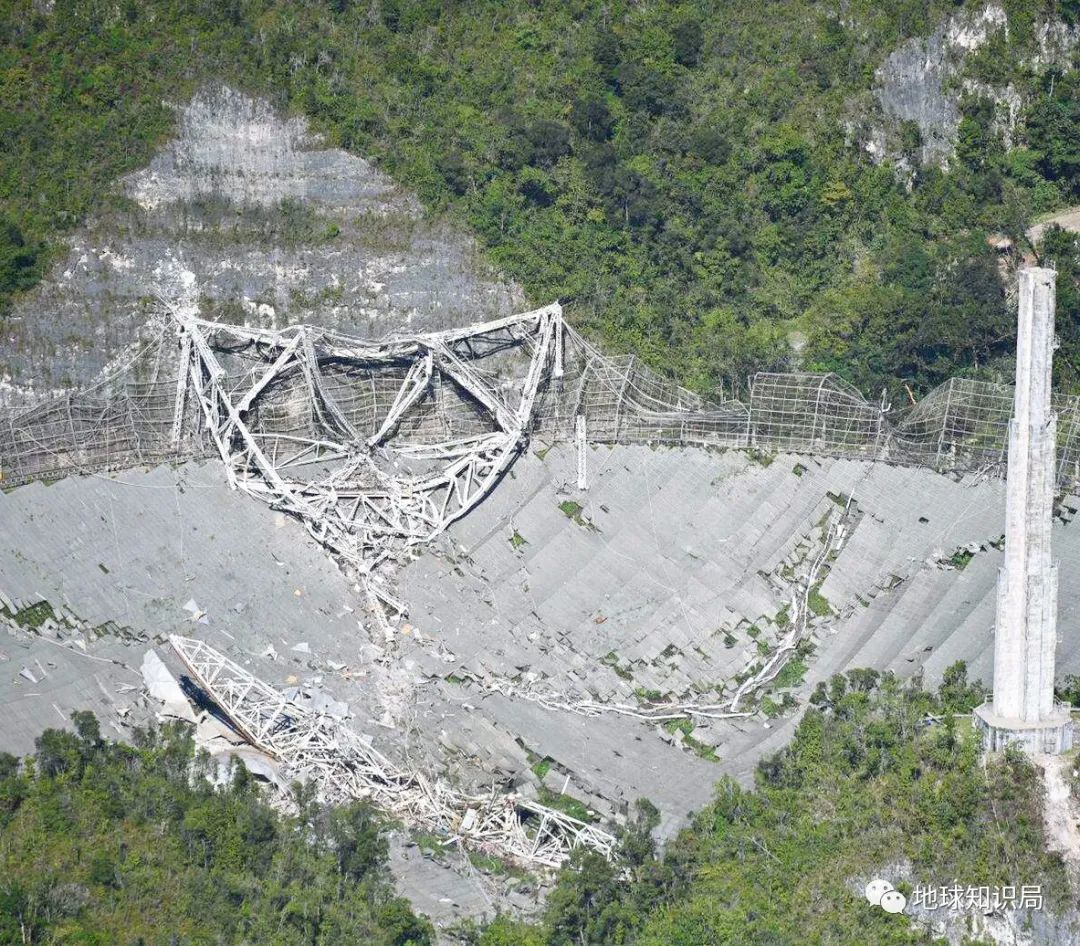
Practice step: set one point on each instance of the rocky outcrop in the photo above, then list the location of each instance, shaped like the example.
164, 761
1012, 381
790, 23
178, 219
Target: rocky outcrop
924, 82
911, 83
277, 228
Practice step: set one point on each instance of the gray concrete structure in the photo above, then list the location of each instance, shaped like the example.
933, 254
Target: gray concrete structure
1025, 633
672, 575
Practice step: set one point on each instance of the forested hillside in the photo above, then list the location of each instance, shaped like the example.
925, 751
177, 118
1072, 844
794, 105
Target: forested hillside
103, 844
692, 177
108, 844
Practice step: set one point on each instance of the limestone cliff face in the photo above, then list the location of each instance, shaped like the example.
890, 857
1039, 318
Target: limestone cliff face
923, 82
277, 228
911, 83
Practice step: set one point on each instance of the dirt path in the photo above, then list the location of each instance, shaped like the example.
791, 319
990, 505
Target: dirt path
1061, 812
1068, 219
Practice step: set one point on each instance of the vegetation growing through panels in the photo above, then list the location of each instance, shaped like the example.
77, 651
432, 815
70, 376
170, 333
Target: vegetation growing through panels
682, 176
863, 784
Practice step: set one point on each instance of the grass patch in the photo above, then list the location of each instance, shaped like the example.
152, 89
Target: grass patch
791, 674
571, 509
576, 513
541, 767
961, 558
818, 603
517, 540
429, 841
567, 804
686, 727
35, 615
611, 659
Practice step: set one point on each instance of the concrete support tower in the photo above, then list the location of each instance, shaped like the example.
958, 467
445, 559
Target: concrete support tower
1025, 634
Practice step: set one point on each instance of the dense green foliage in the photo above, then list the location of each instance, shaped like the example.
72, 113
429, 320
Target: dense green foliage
865, 784
688, 175
109, 845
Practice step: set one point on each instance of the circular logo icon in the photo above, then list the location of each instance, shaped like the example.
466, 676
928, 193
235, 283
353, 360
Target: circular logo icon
876, 889
893, 901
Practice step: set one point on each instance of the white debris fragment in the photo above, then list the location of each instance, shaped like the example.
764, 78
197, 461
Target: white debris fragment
164, 688
326, 705
26, 674
302, 648
197, 613
270, 652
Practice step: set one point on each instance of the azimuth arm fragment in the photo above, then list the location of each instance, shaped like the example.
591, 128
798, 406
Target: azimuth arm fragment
345, 767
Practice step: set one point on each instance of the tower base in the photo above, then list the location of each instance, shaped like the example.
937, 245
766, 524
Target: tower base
1050, 736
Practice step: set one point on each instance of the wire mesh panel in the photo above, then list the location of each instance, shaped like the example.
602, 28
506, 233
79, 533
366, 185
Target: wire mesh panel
962, 425
624, 401
85, 433
1068, 435
813, 413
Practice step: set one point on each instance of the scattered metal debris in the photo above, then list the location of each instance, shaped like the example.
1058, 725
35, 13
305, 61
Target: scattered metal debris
317, 746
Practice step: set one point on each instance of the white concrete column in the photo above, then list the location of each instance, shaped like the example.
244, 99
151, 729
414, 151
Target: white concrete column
1025, 632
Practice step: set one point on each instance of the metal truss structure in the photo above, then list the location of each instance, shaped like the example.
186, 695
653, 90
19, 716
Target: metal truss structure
351, 437
344, 767
324, 417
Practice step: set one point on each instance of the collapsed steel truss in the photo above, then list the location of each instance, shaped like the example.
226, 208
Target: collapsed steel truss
323, 750
134, 417
368, 495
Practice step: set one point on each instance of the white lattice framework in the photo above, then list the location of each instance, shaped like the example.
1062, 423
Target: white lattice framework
328, 385
344, 767
813, 413
370, 482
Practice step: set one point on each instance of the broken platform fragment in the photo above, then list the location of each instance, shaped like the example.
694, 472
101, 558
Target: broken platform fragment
164, 688
344, 767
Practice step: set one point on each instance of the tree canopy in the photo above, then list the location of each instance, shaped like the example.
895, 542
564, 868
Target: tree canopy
689, 178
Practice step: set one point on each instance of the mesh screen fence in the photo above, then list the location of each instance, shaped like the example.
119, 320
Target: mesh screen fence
960, 426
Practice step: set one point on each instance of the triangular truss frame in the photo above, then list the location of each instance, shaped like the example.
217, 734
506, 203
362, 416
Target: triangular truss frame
359, 504
344, 767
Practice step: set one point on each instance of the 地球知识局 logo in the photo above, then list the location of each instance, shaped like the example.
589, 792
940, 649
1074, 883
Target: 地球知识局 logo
883, 894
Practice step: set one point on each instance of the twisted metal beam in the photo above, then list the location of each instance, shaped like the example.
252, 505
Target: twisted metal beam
366, 512
344, 767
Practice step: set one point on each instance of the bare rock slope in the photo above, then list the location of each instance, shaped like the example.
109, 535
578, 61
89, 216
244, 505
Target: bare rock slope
277, 229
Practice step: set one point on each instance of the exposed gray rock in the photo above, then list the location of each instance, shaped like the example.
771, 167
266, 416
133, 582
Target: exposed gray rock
911, 83
923, 82
277, 229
